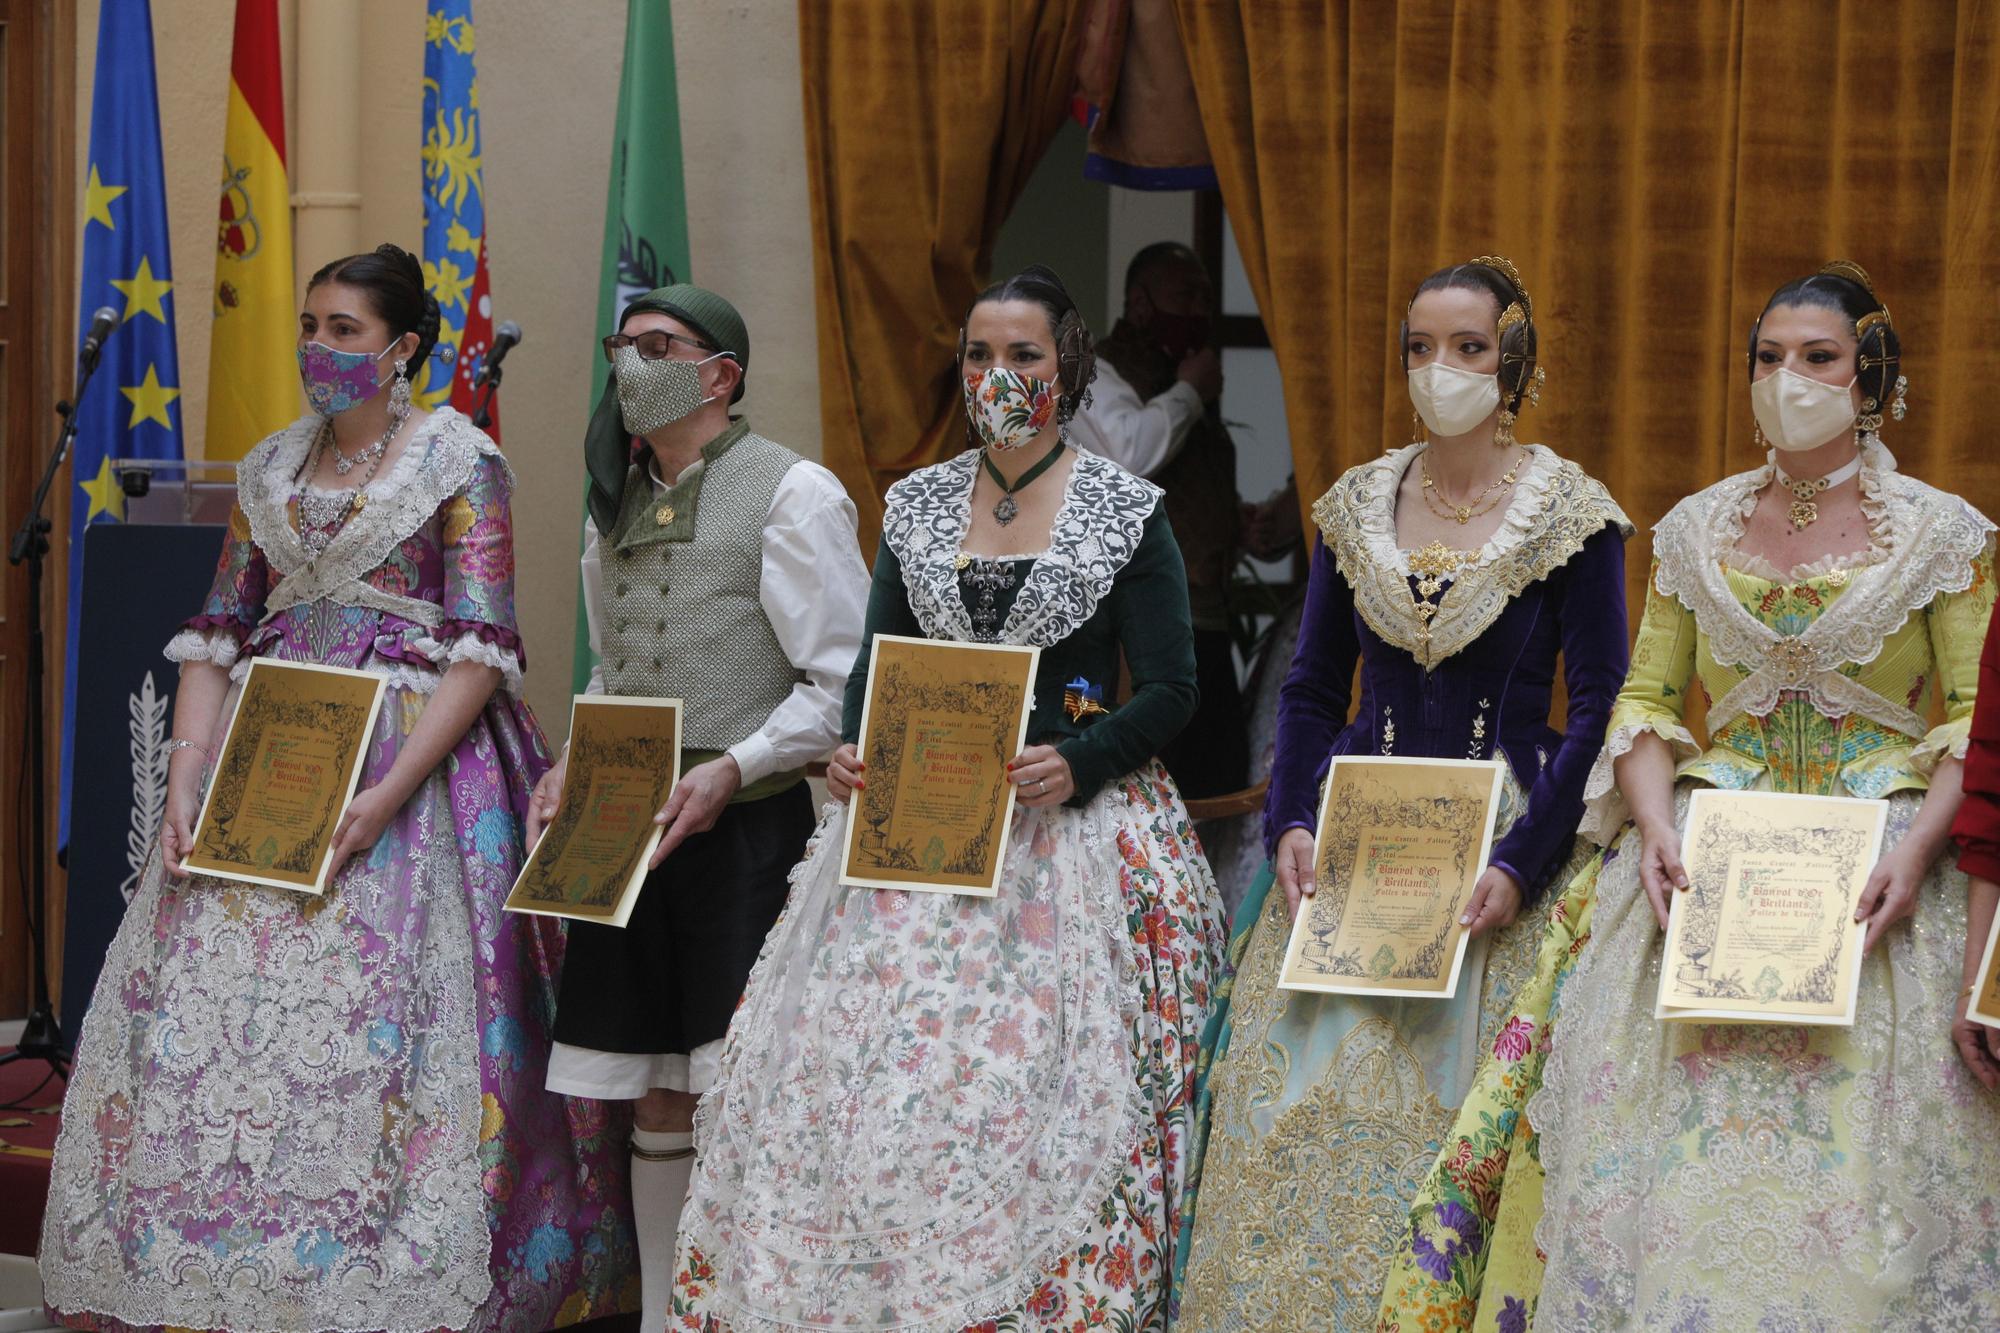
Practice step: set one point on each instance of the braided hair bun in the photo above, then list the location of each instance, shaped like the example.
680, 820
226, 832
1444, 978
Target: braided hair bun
393, 280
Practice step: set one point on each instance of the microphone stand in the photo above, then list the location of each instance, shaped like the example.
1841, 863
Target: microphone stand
489, 384
42, 1037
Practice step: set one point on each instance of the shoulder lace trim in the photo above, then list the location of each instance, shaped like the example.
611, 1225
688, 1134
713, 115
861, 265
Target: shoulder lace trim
1556, 508
1929, 541
434, 466
1097, 529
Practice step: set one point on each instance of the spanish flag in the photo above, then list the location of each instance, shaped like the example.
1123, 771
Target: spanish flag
253, 383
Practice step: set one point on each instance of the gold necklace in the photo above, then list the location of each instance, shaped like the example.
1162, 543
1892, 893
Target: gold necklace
1465, 513
1805, 490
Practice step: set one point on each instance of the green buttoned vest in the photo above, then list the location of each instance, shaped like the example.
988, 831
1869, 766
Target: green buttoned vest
682, 616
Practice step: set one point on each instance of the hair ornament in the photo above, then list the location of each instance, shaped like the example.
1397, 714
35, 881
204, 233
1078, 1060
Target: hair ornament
1504, 266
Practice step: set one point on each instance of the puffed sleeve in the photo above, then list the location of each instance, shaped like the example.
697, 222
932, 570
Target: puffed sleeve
1976, 829
1592, 616
1149, 612
1313, 701
476, 530
1957, 622
1654, 698
235, 604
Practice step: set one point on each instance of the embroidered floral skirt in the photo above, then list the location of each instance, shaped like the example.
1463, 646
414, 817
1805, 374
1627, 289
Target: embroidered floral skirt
1319, 1117
939, 1111
296, 1113
1468, 1258
1752, 1176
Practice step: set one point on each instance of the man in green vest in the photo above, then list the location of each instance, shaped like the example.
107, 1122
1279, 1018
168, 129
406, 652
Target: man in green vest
724, 570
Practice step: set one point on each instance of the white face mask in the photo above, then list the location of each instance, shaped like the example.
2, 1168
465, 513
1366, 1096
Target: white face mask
1797, 413
1452, 401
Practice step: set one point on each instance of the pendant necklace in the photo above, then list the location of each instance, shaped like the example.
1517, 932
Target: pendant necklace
1805, 512
1477, 505
1005, 509
322, 514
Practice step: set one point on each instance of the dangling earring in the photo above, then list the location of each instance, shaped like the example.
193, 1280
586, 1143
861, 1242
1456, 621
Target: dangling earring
1503, 434
1757, 437
1417, 433
1870, 419
399, 392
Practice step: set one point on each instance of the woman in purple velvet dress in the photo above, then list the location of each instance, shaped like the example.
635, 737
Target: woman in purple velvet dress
298, 1113
1454, 571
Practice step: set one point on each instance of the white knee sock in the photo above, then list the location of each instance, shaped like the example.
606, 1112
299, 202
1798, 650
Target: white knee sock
662, 1162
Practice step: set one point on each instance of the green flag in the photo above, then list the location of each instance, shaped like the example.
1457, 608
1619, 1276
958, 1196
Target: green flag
645, 210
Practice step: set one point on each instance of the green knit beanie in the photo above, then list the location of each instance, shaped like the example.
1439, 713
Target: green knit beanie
703, 311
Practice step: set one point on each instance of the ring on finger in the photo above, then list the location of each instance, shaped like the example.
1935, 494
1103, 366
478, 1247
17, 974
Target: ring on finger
1041, 786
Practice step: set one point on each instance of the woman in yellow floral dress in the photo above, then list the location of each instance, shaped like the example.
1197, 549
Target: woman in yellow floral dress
1758, 1175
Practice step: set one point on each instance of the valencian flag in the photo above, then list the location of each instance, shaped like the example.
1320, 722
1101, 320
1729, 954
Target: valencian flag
130, 409
454, 211
645, 217
253, 383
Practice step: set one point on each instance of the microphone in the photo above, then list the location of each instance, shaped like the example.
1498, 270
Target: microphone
504, 338
101, 325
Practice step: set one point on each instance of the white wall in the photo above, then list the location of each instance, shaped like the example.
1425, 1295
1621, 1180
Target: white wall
548, 78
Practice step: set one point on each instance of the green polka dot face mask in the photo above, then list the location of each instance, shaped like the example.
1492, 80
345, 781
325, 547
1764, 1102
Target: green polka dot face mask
652, 394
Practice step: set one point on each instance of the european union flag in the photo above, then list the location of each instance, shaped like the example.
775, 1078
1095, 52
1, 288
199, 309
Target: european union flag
129, 410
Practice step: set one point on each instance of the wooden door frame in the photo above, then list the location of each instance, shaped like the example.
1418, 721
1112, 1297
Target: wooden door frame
40, 259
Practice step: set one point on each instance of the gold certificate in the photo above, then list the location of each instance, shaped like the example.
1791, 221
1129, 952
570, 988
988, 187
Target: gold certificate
1765, 931
1984, 1006
1400, 847
288, 767
624, 759
938, 724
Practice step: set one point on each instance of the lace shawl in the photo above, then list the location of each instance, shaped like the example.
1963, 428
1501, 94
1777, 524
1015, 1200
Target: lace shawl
1556, 508
1930, 541
436, 464
1096, 530
1923, 544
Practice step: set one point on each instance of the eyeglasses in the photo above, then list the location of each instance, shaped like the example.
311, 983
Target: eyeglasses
653, 345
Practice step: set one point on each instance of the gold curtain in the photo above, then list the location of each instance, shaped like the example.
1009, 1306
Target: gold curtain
1655, 167
923, 124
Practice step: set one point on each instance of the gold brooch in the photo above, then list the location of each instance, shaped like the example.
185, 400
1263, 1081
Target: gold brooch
664, 516
1433, 562
1792, 662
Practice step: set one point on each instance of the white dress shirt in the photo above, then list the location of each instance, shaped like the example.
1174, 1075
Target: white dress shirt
814, 591
1141, 437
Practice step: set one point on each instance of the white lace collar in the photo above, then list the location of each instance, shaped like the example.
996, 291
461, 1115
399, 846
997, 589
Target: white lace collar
1928, 541
1874, 509
1097, 528
1556, 507
435, 465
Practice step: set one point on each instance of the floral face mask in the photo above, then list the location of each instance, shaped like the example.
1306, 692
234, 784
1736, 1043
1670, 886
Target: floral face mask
335, 380
1008, 409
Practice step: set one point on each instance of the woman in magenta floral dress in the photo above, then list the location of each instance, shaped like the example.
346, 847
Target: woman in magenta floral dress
305, 1114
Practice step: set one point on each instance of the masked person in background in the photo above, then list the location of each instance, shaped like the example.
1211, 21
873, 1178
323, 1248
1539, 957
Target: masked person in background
721, 569
1154, 412
305, 1113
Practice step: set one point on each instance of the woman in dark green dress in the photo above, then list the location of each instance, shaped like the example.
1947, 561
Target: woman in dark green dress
941, 1111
